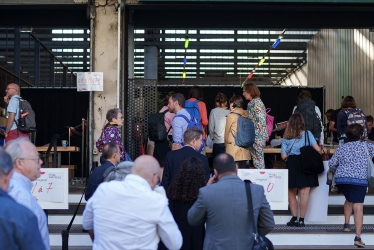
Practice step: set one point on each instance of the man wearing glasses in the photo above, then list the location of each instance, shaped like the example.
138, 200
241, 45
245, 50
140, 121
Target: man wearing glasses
11, 132
27, 163
138, 216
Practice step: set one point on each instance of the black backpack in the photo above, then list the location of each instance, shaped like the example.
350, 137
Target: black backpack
156, 127
26, 120
306, 107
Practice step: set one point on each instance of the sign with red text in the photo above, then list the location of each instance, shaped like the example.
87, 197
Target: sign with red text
51, 189
275, 183
90, 81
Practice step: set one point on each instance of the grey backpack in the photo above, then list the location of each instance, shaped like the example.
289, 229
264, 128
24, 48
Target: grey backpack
26, 120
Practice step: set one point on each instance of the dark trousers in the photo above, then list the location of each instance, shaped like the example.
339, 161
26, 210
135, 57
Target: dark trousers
218, 148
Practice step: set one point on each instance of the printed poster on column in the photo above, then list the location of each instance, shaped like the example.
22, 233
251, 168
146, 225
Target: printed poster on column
51, 189
275, 183
90, 81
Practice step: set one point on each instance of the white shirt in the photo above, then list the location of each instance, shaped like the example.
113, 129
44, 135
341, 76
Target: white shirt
128, 214
20, 190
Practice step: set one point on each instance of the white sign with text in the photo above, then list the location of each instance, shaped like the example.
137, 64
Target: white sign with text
51, 189
275, 183
90, 81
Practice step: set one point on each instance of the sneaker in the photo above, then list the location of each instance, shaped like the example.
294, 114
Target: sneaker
301, 224
293, 223
346, 227
358, 242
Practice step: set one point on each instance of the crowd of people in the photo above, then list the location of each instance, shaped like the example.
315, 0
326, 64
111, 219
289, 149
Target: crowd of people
175, 199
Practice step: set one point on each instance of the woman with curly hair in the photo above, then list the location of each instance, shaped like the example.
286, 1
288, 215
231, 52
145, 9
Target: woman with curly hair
182, 194
112, 132
293, 140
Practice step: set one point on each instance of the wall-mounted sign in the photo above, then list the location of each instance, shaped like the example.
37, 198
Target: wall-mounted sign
90, 81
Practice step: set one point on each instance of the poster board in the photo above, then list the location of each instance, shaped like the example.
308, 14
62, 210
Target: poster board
275, 183
51, 189
90, 81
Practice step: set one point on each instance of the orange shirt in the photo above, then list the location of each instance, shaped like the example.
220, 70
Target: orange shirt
203, 114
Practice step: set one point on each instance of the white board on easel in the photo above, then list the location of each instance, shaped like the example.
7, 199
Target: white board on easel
275, 183
51, 189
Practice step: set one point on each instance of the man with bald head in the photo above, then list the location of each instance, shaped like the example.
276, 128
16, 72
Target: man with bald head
129, 214
11, 98
26, 164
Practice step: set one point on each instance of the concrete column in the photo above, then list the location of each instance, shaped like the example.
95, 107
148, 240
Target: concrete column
150, 62
105, 55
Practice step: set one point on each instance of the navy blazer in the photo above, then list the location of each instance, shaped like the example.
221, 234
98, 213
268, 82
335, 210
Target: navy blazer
174, 160
96, 177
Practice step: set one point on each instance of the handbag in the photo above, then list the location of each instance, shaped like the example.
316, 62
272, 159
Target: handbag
370, 168
311, 160
260, 242
269, 123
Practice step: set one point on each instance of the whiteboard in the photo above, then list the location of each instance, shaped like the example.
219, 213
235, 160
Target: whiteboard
90, 81
51, 189
275, 183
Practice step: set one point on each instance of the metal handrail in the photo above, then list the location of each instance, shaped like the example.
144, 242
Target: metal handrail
54, 143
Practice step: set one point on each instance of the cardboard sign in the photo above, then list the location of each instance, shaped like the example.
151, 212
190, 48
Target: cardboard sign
275, 183
51, 189
90, 81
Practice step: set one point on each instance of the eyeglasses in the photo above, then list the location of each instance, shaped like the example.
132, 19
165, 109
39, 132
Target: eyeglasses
31, 159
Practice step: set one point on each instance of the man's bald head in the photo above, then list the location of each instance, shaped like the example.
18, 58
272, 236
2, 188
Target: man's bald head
148, 168
12, 89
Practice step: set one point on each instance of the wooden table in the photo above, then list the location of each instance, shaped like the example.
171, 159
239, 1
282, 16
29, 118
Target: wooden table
59, 150
266, 150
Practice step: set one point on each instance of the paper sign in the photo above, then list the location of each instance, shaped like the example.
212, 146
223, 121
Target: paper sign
275, 183
51, 189
90, 81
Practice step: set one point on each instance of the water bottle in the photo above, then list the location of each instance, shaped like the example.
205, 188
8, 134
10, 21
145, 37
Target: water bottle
341, 140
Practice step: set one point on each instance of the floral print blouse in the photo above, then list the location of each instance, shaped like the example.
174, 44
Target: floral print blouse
111, 133
257, 114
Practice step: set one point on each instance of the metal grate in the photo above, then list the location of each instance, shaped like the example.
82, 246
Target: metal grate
142, 101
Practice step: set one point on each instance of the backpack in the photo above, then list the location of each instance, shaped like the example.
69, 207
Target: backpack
356, 116
26, 120
245, 132
269, 123
156, 127
107, 172
193, 109
191, 123
307, 108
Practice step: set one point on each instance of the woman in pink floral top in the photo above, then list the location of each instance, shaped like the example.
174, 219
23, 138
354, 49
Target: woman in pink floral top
111, 131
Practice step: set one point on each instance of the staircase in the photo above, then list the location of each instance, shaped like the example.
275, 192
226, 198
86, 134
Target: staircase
323, 235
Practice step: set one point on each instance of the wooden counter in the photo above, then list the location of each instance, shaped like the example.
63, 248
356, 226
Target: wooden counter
59, 150
266, 150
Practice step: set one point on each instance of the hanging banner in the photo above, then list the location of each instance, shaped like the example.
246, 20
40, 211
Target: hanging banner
275, 183
90, 81
51, 189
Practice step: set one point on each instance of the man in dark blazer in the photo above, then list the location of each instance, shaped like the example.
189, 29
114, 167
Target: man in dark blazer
222, 205
192, 141
111, 154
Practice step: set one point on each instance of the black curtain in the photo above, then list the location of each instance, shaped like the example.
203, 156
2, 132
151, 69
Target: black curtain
280, 100
54, 110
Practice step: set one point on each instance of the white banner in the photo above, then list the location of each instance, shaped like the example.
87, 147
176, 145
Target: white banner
90, 81
51, 189
275, 183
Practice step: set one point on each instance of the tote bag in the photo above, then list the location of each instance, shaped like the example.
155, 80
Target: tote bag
370, 168
311, 160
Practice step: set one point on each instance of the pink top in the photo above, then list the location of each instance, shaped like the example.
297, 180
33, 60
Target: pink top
168, 117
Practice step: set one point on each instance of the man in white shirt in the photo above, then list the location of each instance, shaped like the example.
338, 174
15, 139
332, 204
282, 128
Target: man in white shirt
129, 214
26, 162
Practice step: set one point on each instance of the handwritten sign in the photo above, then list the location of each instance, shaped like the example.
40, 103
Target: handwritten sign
51, 189
275, 183
90, 81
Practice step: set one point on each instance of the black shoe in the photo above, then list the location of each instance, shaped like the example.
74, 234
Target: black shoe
301, 224
293, 223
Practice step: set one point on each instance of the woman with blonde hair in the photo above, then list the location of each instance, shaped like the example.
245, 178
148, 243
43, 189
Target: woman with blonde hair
293, 140
257, 114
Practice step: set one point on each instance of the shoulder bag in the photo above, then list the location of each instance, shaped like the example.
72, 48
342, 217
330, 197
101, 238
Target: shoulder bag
370, 168
260, 242
311, 160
